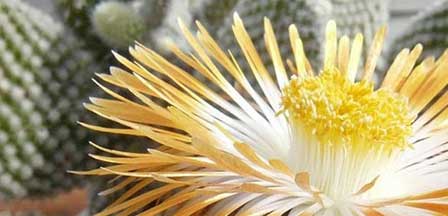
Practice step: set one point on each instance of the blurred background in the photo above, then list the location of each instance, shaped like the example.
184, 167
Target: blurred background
50, 50
400, 11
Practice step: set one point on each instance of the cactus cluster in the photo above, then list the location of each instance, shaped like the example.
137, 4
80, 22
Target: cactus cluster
159, 19
44, 76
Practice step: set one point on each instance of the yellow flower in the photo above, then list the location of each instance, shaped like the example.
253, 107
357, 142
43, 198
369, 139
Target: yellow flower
306, 144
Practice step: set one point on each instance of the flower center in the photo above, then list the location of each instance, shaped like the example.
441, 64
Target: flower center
340, 112
343, 132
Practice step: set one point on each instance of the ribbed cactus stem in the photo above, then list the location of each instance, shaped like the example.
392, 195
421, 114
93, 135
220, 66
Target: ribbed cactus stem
44, 76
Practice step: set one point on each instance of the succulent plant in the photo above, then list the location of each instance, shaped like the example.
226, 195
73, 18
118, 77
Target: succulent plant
44, 77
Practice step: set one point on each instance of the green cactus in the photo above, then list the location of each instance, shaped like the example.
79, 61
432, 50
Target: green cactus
44, 76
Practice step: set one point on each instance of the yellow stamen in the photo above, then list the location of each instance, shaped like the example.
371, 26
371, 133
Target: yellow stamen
354, 115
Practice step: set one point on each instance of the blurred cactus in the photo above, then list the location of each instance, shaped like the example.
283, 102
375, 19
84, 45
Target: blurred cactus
44, 75
76, 16
159, 19
429, 28
117, 23
110, 23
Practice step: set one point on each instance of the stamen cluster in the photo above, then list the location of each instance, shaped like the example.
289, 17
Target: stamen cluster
339, 111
